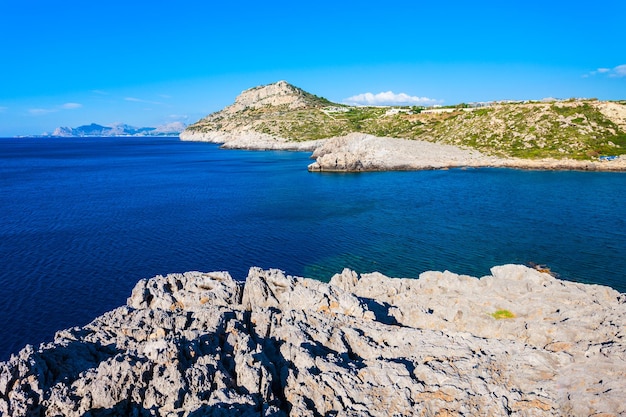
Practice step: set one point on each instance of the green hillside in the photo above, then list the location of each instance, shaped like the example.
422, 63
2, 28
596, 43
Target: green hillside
580, 129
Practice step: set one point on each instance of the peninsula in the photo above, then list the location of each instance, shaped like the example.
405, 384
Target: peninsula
518, 342
583, 134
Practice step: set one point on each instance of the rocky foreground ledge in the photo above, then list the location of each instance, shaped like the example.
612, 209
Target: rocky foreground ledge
518, 342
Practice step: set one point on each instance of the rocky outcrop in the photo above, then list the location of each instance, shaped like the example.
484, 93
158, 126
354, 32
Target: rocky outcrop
277, 94
250, 140
361, 152
518, 342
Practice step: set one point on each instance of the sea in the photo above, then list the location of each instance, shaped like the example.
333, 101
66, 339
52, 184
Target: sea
83, 219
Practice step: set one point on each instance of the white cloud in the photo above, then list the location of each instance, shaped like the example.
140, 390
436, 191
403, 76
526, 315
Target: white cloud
40, 112
389, 98
616, 72
100, 92
178, 116
71, 106
619, 71
140, 100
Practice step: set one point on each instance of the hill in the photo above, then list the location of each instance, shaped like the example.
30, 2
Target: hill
576, 129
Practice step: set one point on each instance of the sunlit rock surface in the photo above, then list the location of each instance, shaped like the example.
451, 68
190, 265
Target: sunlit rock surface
518, 342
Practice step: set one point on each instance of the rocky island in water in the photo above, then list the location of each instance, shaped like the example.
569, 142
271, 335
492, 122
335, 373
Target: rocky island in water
518, 342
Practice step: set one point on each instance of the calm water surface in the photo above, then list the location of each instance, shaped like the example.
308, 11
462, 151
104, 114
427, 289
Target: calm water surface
84, 219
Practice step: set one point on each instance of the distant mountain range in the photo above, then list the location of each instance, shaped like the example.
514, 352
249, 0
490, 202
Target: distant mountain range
95, 130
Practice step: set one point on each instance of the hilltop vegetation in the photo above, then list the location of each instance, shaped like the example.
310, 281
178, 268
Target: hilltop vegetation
579, 129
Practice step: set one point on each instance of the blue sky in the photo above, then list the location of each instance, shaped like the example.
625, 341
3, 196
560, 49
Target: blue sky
68, 63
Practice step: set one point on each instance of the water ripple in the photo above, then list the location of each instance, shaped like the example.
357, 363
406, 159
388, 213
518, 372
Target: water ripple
84, 220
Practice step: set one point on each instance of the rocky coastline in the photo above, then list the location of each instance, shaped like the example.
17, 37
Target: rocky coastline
251, 141
344, 138
360, 152
517, 342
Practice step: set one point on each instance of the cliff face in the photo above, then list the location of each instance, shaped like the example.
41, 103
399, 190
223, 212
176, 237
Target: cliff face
519, 342
276, 95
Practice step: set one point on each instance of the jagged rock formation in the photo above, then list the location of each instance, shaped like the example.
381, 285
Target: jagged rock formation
203, 344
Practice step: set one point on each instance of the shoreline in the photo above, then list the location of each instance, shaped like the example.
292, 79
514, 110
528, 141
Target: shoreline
251, 141
358, 152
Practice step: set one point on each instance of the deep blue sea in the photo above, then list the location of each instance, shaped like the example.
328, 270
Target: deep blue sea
84, 219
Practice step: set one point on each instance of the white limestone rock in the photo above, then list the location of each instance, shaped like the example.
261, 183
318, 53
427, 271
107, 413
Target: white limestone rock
272, 289
188, 290
250, 140
368, 345
363, 152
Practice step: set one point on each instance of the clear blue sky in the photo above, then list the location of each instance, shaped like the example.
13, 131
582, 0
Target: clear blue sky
68, 63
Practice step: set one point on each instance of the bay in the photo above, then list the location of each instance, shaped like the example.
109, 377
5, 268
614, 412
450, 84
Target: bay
84, 219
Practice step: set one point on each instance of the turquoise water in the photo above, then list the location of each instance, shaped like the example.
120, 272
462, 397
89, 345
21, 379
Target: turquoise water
84, 219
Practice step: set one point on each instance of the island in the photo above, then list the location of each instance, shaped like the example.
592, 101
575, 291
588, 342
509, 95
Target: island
581, 134
518, 342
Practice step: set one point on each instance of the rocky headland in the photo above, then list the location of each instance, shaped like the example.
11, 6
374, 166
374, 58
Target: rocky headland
574, 134
518, 342
357, 152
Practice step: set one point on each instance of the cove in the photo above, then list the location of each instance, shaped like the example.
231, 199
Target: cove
84, 219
